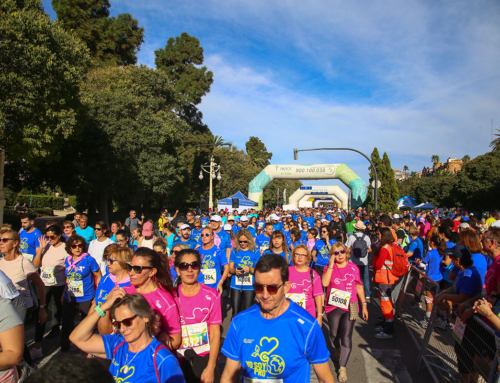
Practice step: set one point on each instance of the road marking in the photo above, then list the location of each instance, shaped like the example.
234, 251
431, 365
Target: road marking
385, 366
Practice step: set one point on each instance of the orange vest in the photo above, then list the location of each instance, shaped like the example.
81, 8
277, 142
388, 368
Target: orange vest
384, 275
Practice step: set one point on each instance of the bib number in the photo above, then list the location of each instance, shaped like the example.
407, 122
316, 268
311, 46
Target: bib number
300, 299
459, 330
255, 380
29, 256
195, 336
76, 288
339, 298
210, 276
244, 280
48, 275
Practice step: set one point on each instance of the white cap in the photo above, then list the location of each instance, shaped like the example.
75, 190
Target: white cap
495, 224
395, 216
324, 220
297, 209
216, 218
289, 216
185, 226
243, 218
318, 213
273, 217
228, 227
464, 225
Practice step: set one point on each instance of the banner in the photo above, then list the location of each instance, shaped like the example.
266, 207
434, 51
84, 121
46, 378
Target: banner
284, 196
278, 197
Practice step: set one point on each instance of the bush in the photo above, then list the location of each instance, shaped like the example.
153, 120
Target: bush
40, 201
72, 201
10, 196
12, 218
43, 211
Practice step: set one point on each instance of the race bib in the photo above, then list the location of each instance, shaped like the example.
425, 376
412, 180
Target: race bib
255, 380
339, 298
263, 248
210, 276
47, 275
300, 299
195, 336
29, 256
459, 330
75, 288
244, 280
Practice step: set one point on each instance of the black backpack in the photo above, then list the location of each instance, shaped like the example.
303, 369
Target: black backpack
359, 246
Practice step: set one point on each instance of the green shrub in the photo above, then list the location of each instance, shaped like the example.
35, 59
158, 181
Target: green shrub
43, 211
72, 201
40, 201
10, 196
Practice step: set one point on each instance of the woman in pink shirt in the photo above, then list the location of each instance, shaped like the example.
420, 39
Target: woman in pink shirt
200, 312
344, 286
306, 289
150, 277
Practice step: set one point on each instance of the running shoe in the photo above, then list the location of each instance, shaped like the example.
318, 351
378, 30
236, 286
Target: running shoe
379, 329
424, 323
440, 323
383, 335
381, 320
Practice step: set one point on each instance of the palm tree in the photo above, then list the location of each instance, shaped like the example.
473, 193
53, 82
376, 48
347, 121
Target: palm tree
495, 144
466, 158
405, 170
435, 159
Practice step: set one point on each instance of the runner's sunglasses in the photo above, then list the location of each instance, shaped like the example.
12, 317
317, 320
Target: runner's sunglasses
337, 252
127, 322
272, 290
184, 266
75, 246
137, 269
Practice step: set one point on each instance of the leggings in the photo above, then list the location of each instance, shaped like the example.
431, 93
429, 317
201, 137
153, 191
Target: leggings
53, 296
341, 332
241, 300
70, 311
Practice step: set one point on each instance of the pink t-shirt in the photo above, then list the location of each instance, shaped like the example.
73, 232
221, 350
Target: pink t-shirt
162, 302
53, 270
492, 277
204, 307
344, 279
301, 284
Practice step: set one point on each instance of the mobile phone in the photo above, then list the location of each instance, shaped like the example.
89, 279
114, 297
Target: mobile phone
239, 268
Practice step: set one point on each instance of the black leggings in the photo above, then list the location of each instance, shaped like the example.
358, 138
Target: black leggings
341, 332
53, 296
70, 311
241, 300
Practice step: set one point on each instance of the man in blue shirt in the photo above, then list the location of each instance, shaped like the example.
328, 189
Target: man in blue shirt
259, 342
225, 238
29, 237
84, 231
263, 240
185, 237
275, 221
244, 225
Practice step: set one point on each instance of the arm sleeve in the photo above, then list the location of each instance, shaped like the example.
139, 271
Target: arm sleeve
468, 286
232, 256
412, 246
168, 368
357, 277
110, 342
172, 320
222, 256
315, 348
384, 253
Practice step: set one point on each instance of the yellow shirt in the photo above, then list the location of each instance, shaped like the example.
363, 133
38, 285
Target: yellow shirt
161, 222
490, 220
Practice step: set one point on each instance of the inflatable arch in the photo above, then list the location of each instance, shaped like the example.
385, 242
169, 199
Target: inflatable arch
315, 200
308, 172
335, 192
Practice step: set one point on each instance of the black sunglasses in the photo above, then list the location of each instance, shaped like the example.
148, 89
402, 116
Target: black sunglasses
184, 266
205, 235
272, 290
243, 241
137, 269
127, 322
97, 229
339, 252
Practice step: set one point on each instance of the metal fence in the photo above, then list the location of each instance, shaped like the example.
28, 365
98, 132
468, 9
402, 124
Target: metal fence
452, 352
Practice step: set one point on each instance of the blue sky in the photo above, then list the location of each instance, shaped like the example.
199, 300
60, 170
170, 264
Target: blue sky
414, 78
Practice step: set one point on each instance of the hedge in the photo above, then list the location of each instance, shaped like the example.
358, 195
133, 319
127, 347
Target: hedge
72, 201
39, 201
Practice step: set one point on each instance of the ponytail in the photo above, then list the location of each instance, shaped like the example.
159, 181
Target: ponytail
440, 243
162, 277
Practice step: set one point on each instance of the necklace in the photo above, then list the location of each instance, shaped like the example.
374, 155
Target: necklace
126, 368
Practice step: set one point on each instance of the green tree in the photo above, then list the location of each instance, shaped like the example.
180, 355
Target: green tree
495, 144
270, 192
466, 158
41, 68
258, 153
435, 159
389, 189
377, 162
181, 59
111, 40
405, 170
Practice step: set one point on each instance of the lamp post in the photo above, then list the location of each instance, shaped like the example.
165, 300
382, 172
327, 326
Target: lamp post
296, 157
213, 171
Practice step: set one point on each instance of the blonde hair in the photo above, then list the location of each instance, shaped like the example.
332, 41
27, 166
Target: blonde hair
340, 246
15, 236
5, 228
123, 255
160, 242
182, 246
303, 247
244, 233
209, 229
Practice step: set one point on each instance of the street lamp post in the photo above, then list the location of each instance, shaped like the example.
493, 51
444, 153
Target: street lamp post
296, 157
212, 169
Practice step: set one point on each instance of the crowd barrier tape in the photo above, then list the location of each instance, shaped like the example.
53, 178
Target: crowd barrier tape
455, 352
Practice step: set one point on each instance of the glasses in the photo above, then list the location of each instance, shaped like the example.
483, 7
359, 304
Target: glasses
324, 231
126, 322
51, 237
110, 261
205, 235
175, 252
120, 241
67, 227
243, 241
5, 240
137, 269
97, 229
271, 289
160, 253
184, 266
339, 252
301, 255
79, 246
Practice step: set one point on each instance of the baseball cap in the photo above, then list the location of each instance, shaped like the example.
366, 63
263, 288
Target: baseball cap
216, 218
185, 226
227, 227
231, 218
396, 216
244, 218
495, 224
464, 225
273, 217
318, 213
147, 229
459, 251
289, 216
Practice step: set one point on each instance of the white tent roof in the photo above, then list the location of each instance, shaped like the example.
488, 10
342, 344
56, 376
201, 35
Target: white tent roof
426, 205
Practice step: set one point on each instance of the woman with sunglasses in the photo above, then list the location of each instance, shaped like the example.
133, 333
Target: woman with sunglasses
97, 246
116, 261
52, 271
68, 229
306, 289
150, 277
81, 269
344, 288
215, 267
242, 263
135, 353
322, 248
200, 312
278, 245
175, 250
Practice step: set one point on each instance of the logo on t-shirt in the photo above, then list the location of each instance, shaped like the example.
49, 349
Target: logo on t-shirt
268, 362
158, 304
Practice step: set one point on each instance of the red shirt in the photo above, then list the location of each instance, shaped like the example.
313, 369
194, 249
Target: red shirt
492, 277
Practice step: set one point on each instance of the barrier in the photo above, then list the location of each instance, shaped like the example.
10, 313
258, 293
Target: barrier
451, 352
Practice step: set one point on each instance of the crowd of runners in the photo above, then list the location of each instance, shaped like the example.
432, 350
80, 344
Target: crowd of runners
146, 294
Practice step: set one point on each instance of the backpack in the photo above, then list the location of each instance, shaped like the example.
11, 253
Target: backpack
160, 347
400, 261
406, 240
359, 246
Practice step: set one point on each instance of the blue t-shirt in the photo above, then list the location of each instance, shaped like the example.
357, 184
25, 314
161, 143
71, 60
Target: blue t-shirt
417, 248
280, 348
323, 254
81, 279
304, 235
196, 235
190, 242
141, 366
298, 242
204, 221
240, 259
479, 263
212, 259
29, 243
284, 255
251, 230
225, 240
310, 221
277, 226
88, 234
174, 275
105, 286
433, 260
263, 241
468, 281
445, 270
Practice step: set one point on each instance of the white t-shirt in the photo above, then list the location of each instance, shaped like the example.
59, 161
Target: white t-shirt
18, 274
96, 250
53, 266
148, 242
7, 288
350, 242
